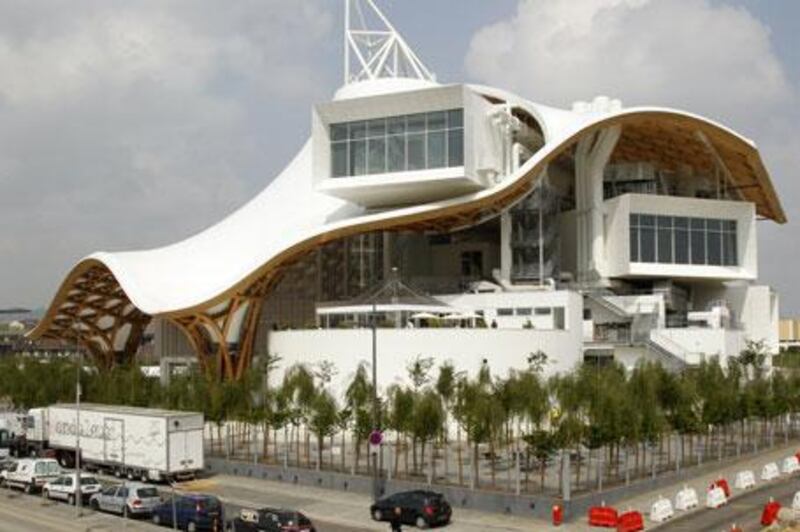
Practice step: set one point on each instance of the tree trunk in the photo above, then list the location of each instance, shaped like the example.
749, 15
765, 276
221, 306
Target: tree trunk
492, 461
458, 457
414, 454
344, 441
475, 468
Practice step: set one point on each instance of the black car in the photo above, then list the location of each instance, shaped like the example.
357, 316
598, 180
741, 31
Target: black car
192, 512
419, 507
271, 520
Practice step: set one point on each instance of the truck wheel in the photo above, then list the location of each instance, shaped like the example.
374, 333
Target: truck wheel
71, 500
28, 489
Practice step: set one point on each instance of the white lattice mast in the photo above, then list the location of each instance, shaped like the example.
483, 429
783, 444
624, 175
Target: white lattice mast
373, 49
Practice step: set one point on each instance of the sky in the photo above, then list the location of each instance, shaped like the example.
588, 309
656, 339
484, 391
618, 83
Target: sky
129, 124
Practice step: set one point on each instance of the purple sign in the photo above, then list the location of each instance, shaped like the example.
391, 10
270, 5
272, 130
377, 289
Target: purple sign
375, 437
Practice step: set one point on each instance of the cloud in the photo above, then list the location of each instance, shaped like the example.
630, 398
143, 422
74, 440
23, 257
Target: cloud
135, 124
671, 52
707, 57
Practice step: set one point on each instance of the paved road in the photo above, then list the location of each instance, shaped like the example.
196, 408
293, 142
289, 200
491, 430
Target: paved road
744, 510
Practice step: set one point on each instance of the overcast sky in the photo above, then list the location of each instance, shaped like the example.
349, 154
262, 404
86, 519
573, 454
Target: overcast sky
134, 123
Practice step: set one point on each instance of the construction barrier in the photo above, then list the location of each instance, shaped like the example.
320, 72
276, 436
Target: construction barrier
604, 516
745, 480
790, 465
686, 499
661, 510
770, 513
715, 497
796, 502
558, 515
770, 471
630, 521
722, 483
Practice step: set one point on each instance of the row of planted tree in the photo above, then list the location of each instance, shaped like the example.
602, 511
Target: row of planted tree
503, 431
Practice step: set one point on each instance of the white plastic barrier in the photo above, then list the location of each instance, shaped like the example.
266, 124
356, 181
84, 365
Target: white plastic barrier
661, 510
715, 497
796, 502
686, 499
770, 471
790, 465
745, 480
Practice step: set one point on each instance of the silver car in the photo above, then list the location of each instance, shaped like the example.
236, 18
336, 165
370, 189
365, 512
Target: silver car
126, 499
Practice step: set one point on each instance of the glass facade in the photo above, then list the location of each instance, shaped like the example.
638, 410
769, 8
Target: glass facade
683, 240
398, 144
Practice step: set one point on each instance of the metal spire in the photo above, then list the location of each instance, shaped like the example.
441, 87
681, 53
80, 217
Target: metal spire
373, 49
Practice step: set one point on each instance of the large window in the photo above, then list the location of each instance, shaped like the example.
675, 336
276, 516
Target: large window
398, 143
683, 240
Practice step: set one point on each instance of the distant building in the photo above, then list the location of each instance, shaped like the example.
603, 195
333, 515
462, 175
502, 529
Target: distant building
598, 232
789, 332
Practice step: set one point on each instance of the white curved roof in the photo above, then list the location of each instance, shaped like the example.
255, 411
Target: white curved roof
195, 272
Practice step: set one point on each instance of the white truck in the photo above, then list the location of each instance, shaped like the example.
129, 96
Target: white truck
139, 443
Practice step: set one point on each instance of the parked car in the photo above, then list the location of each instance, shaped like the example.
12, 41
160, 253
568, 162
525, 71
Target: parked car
193, 512
421, 508
271, 520
30, 474
128, 499
64, 487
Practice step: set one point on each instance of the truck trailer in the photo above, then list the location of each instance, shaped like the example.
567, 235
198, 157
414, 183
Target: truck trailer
138, 443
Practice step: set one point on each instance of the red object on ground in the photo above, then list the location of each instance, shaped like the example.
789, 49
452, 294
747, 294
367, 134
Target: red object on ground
736, 528
797, 454
770, 513
558, 515
604, 516
722, 483
630, 521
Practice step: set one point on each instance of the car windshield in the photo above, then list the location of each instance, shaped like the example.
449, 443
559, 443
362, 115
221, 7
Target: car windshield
52, 468
145, 493
86, 481
291, 518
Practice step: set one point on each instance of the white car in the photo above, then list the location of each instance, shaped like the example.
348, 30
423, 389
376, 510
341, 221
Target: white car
127, 499
30, 474
63, 488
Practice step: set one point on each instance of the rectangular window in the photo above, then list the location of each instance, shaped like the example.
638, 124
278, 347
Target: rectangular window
339, 159
524, 311
559, 323
398, 143
665, 239
377, 155
505, 312
647, 243
543, 311
436, 149
416, 151
358, 157
397, 153
455, 147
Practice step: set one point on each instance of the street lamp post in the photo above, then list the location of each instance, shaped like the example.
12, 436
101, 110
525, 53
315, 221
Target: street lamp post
375, 406
78, 496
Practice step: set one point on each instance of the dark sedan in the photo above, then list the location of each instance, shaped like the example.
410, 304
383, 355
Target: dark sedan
271, 520
420, 508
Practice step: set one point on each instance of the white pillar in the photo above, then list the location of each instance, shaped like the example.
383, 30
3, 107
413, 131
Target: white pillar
591, 157
506, 256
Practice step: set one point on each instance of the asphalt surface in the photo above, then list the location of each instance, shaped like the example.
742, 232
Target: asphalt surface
744, 510
20, 512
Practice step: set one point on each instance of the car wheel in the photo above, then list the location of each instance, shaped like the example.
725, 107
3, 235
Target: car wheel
95, 505
28, 489
71, 500
377, 515
191, 527
421, 522
127, 512
156, 519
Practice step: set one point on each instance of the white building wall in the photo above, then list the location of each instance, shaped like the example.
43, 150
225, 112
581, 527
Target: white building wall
503, 348
617, 216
